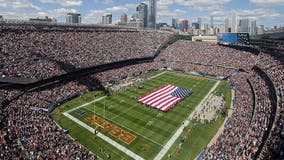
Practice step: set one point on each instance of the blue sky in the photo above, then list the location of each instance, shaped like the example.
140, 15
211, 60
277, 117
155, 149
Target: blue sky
266, 12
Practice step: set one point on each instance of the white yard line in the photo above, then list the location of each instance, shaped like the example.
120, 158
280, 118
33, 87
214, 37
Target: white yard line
157, 75
168, 145
105, 138
71, 110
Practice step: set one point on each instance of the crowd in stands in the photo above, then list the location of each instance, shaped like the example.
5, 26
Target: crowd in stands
112, 76
42, 51
245, 136
28, 131
273, 65
200, 68
206, 53
237, 126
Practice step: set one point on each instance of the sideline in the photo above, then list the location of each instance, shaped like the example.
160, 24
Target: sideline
105, 138
169, 144
222, 127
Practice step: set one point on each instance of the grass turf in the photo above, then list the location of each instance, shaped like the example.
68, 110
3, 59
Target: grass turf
151, 127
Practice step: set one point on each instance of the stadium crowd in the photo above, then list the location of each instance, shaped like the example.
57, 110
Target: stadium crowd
243, 136
28, 131
42, 51
237, 126
210, 54
273, 65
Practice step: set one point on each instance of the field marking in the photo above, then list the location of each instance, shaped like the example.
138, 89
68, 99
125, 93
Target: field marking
86, 104
117, 123
157, 75
168, 145
163, 151
105, 138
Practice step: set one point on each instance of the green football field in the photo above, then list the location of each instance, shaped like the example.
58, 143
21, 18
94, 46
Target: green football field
151, 128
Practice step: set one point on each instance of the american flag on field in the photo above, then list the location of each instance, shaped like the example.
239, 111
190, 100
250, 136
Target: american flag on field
165, 98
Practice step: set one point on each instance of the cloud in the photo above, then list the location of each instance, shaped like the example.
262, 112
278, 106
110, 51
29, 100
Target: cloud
117, 9
131, 5
259, 13
64, 3
18, 4
94, 16
203, 5
60, 12
107, 2
268, 3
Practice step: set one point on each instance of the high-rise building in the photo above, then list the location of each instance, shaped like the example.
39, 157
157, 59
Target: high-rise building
199, 22
175, 23
195, 25
73, 18
1, 18
260, 29
107, 19
152, 13
253, 27
185, 25
180, 26
244, 25
227, 25
123, 18
234, 27
212, 22
142, 10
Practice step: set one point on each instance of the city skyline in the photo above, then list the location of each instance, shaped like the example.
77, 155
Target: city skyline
267, 13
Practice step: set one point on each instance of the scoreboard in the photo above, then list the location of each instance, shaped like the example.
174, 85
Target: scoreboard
240, 38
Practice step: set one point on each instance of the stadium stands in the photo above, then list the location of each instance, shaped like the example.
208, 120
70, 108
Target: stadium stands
43, 51
28, 131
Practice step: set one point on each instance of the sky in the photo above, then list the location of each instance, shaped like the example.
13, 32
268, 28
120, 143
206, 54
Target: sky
266, 12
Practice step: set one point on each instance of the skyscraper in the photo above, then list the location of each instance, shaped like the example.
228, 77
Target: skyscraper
185, 25
199, 22
227, 25
123, 18
142, 10
212, 22
175, 23
107, 18
152, 13
253, 27
195, 25
244, 25
73, 18
234, 27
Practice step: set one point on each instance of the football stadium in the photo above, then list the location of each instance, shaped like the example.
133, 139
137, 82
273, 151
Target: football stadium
117, 92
